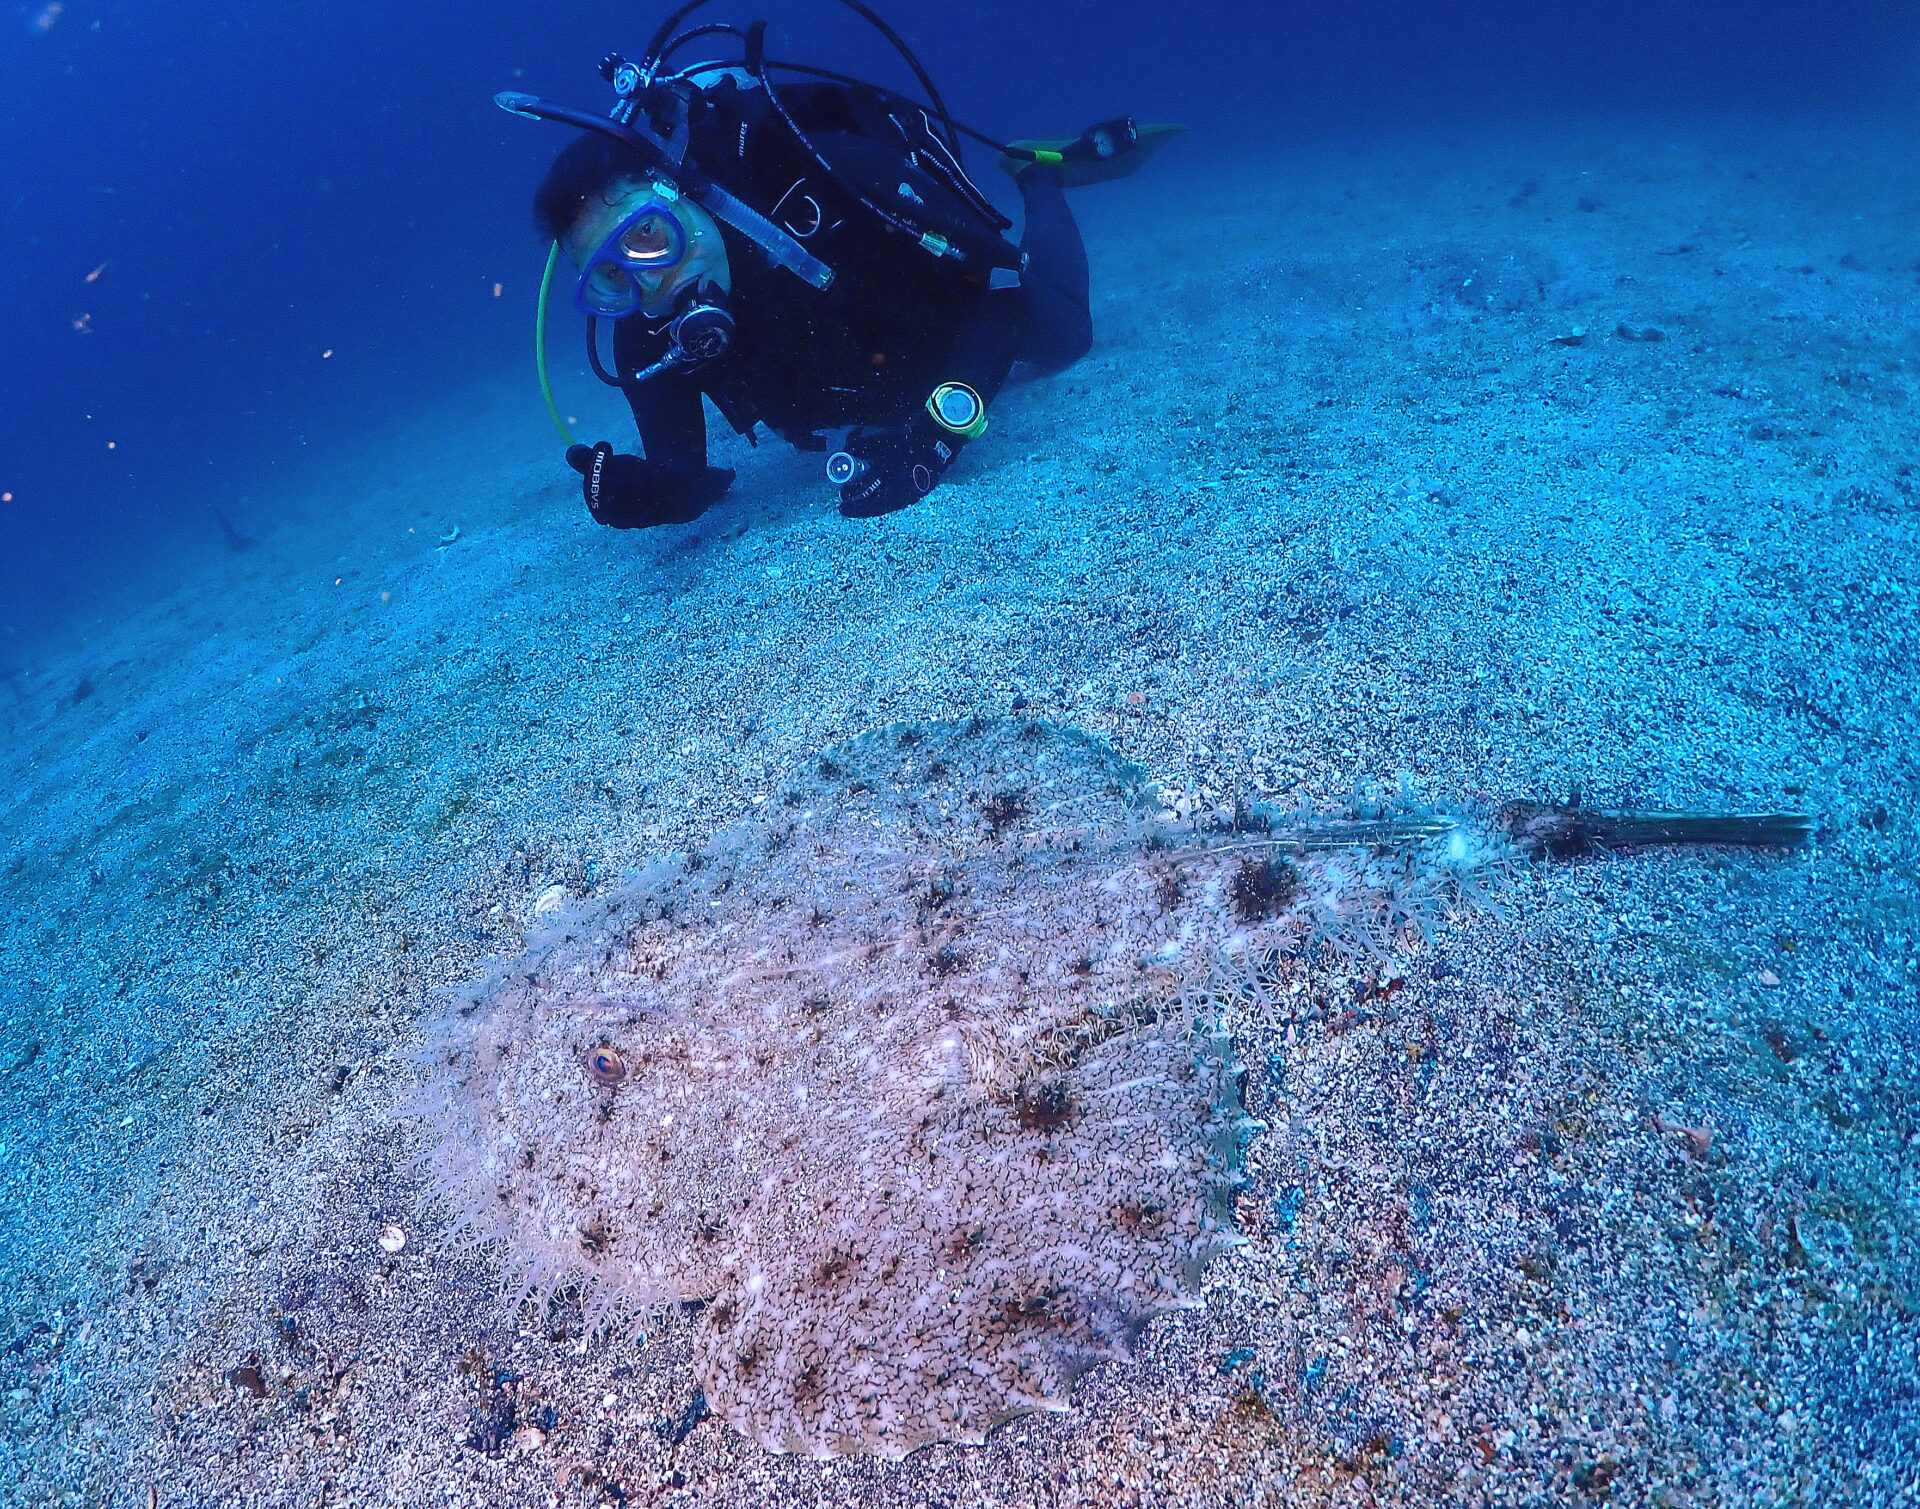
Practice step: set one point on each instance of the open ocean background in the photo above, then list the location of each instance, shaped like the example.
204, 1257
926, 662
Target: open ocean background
262, 187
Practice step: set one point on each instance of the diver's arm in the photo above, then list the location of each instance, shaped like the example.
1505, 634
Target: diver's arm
983, 349
672, 483
904, 461
672, 423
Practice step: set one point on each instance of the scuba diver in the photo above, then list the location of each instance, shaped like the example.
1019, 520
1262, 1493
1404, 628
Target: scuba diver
810, 256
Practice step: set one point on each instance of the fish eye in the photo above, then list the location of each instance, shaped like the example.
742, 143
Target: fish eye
606, 1067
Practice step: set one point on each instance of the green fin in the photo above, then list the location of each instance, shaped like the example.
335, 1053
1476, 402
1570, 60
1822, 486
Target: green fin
1075, 172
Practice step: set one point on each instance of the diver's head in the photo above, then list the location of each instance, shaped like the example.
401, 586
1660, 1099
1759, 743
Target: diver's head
596, 185
639, 246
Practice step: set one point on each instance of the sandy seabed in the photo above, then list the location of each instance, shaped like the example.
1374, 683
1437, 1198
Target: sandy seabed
1571, 461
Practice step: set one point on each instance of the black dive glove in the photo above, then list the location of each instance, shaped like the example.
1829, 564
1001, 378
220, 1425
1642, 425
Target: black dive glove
903, 464
630, 492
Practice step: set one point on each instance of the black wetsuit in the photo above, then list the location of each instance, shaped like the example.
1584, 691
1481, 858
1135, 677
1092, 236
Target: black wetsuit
897, 320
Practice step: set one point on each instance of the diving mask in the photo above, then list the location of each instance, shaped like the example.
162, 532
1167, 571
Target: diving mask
661, 244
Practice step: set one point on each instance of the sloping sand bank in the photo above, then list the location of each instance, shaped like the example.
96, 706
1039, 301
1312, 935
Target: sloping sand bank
1585, 462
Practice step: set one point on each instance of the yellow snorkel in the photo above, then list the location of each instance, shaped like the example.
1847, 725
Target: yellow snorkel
540, 345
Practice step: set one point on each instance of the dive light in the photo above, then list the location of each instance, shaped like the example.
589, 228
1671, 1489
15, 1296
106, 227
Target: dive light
844, 467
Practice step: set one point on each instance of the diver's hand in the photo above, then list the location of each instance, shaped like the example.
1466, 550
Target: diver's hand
904, 463
631, 492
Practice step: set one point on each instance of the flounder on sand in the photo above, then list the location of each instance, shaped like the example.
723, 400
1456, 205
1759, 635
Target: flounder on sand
913, 1083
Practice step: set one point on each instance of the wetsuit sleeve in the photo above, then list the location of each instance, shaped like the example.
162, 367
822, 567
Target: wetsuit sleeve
672, 423
983, 348
667, 411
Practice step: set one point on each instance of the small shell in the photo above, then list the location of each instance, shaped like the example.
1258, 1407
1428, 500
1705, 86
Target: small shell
392, 1238
606, 1067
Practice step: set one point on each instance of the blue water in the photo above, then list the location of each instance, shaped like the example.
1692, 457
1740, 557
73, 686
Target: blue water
232, 238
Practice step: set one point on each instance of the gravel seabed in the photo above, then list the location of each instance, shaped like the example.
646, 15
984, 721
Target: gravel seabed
1580, 460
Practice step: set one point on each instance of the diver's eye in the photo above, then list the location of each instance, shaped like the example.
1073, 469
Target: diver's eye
648, 239
609, 283
606, 1067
